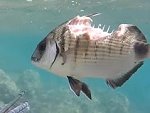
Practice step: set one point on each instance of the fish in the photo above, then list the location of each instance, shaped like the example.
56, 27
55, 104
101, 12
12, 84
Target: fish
76, 49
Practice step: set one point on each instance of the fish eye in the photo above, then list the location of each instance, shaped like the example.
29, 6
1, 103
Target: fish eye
42, 45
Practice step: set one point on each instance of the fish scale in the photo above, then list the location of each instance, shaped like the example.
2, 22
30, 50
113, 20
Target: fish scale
84, 49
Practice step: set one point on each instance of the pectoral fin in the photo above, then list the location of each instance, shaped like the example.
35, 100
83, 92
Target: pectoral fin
86, 90
78, 86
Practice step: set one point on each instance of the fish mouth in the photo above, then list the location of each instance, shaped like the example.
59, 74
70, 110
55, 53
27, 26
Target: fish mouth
36, 56
34, 59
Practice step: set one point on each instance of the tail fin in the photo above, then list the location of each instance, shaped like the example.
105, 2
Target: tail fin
148, 55
142, 50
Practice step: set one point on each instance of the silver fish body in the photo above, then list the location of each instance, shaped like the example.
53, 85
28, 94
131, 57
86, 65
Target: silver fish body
76, 49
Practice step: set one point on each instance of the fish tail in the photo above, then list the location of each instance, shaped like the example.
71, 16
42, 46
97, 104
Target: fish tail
142, 50
148, 56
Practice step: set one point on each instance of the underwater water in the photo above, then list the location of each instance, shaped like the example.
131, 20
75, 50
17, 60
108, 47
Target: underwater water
23, 23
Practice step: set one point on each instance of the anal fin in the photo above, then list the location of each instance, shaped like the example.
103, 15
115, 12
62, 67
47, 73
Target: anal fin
120, 81
78, 86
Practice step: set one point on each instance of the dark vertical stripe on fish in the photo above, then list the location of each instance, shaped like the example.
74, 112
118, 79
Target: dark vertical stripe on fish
76, 48
86, 50
109, 45
62, 40
70, 41
122, 45
95, 51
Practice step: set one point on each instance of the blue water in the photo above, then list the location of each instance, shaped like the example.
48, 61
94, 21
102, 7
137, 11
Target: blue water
24, 23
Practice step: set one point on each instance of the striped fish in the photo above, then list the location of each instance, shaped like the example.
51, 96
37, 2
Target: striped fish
76, 49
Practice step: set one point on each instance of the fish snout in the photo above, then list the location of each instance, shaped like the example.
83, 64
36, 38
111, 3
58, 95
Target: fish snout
35, 56
39, 51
